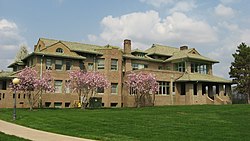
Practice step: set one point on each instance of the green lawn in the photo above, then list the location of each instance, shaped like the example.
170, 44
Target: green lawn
200, 122
5, 137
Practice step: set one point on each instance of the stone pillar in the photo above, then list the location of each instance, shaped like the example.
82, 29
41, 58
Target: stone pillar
221, 89
189, 93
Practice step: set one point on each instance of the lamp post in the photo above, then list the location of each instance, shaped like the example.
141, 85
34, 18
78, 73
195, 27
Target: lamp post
15, 81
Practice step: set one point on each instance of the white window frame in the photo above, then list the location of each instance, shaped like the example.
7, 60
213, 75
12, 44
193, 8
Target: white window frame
101, 64
58, 86
114, 64
114, 86
56, 63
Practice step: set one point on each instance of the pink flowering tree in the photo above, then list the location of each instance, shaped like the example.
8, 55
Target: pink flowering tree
142, 85
44, 83
86, 84
33, 85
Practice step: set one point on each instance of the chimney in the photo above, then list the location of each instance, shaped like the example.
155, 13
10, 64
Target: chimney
127, 46
183, 47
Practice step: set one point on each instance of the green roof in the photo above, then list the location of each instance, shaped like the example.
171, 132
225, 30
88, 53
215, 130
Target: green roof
19, 63
73, 46
147, 58
161, 50
188, 54
5, 74
202, 78
54, 54
138, 51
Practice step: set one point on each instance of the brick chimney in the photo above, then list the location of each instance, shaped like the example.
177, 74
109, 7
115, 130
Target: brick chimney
127, 46
183, 47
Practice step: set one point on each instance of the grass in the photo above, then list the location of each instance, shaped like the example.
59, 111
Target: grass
5, 137
197, 122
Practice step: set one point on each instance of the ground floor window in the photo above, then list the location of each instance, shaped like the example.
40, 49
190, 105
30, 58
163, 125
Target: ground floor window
47, 104
164, 88
113, 104
58, 104
67, 104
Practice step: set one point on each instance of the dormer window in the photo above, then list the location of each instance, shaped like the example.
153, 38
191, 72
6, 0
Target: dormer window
59, 50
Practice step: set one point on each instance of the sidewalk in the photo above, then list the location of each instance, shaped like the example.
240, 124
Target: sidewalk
33, 134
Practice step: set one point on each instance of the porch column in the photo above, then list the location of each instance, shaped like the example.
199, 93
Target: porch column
221, 90
189, 93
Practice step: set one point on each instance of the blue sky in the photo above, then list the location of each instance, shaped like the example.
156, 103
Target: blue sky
214, 27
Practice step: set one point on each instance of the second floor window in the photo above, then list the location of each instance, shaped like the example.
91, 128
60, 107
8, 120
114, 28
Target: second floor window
180, 67
48, 64
136, 66
81, 65
100, 64
90, 66
68, 65
58, 64
199, 68
114, 64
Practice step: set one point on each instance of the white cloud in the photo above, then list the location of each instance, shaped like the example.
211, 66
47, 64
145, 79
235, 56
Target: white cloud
148, 27
183, 6
228, 45
223, 11
10, 41
158, 3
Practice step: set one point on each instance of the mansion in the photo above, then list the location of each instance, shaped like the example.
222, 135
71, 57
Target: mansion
185, 76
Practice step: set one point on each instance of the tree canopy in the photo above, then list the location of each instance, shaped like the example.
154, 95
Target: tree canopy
141, 85
22, 53
240, 69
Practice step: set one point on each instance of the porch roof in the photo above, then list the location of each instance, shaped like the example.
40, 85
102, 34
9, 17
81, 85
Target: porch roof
197, 77
5, 74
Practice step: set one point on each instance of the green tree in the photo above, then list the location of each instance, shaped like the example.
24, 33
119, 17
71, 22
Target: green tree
240, 69
22, 53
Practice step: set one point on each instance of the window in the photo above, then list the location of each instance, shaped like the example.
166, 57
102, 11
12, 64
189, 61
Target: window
67, 86
173, 88
68, 65
113, 104
164, 88
58, 86
199, 68
59, 50
59, 64
100, 64
132, 91
48, 64
90, 66
3, 85
137, 66
180, 67
114, 88
100, 90
114, 64
47, 104
81, 66
67, 104
58, 104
